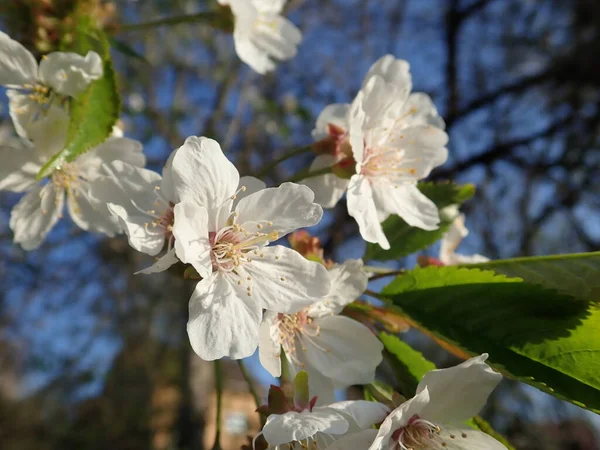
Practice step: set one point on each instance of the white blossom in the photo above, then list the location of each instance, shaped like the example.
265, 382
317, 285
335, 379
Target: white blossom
324, 427
452, 239
432, 419
144, 208
42, 206
334, 350
383, 143
32, 88
262, 36
223, 231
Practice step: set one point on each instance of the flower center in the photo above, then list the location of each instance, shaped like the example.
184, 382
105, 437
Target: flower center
294, 326
234, 246
162, 217
420, 434
38, 93
65, 176
387, 162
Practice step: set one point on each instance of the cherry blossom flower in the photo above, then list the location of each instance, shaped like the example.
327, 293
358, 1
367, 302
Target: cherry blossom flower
325, 427
40, 209
261, 34
334, 350
432, 419
378, 148
223, 231
33, 88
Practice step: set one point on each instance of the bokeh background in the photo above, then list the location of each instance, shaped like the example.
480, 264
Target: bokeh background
93, 357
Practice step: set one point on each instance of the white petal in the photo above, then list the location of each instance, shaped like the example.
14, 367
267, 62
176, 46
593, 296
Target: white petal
139, 187
379, 97
190, 230
49, 132
348, 282
251, 54
356, 441
70, 73
88, 214
356, 134
18, 168
344, 350
268, 6
361, 206
17, 64
250, 185
399, 418
36, 213
289, 207
167, 187
458, 258
452, 239
364, 413
425, 111
222, 322
161, 264
202, 173
334, 114
458, 393
269, 348
277, 37
297, 426
136, 228
284, 281
392, 70
329, 188
126, 150
454, 438
23, 110
408, 202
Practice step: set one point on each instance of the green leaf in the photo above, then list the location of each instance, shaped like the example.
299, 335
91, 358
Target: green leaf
575, 274
409, 365
539, 336
96, 110
405, 239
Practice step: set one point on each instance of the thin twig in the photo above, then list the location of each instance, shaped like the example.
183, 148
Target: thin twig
219, 392
176, 20
303, 175
295, 152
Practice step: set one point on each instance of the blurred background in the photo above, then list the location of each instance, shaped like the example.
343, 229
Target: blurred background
93, 357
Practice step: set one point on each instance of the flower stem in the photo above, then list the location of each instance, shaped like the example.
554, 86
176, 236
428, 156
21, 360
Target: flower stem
219, 392
211, 17
269, 167
250, 382
302, 175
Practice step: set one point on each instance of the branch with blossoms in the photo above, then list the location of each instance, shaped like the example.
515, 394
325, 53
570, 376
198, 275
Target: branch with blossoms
287, 299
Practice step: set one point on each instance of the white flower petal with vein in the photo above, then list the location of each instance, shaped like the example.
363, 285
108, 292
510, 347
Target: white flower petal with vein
227, 239
335, 351
261, 35
432, 419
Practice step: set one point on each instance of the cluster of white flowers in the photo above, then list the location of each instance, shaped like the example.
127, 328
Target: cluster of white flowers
434, 419
379, 147
253, 293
